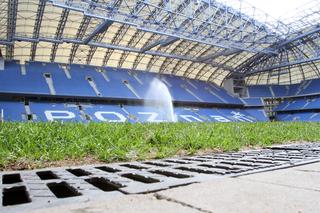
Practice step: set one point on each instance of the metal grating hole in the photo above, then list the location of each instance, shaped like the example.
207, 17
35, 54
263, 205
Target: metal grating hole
196, 159
79, 172
104, 184
205, 171
132, 166
108, 169
47, 175
170, 174
63, 190
11, 178
177, 161
217, 170
15, 195
140, 178
245, 164
158, 164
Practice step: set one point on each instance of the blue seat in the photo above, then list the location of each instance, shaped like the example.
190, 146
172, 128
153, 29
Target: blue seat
105, 112
258, 114
293, 89
253, 101
280, 90
12, 111
237, 115
175, 86
259, 91
312, 88
12, 80
312, 104
55, 112
148, 114
211, 115
187, 115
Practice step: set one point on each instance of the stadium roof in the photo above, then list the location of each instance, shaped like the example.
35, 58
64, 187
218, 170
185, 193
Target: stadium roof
202, 39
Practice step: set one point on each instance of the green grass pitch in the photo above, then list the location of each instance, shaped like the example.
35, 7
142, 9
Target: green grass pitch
38, 143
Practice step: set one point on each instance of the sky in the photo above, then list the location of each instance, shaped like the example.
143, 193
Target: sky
278, 8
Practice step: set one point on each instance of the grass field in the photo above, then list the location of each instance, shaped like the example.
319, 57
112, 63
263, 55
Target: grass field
37, 144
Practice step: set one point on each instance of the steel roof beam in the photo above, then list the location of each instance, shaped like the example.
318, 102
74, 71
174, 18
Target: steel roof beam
150, 46
11, 27
100, 29
300, 36
287, 64
82, 29
59, 32
107, 46
168, 41
185, 45
36, 29
216, 55
134, 10
99, 36
162, 42
103, 11
167, 20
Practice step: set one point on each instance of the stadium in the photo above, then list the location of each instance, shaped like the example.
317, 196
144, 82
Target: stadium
108, 81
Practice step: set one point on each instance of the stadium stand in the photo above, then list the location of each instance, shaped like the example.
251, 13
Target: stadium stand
253, 101
51, 80
84, 112
259, 91
97, 63
12, 111
308, 87
77, 81
88, 81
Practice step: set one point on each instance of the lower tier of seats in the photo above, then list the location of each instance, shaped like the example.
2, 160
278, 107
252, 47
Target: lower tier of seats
299, 104
84, 112
299, 116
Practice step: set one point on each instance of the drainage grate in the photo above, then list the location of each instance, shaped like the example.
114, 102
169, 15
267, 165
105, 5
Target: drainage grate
63, 190
15, 195
79, 172
140, 178
47, 175
11, 178
170, 174
108, 169
132, 166
104, 184
103, 181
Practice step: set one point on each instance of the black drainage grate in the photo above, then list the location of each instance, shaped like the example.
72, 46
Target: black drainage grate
63, 190
104, 184
15, 195
79, 172
47, 175
140, 178
107, 169
11, 178
170, 174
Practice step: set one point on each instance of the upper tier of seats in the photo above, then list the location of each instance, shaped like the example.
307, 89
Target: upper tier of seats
87, 81
308, 87
253, 101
